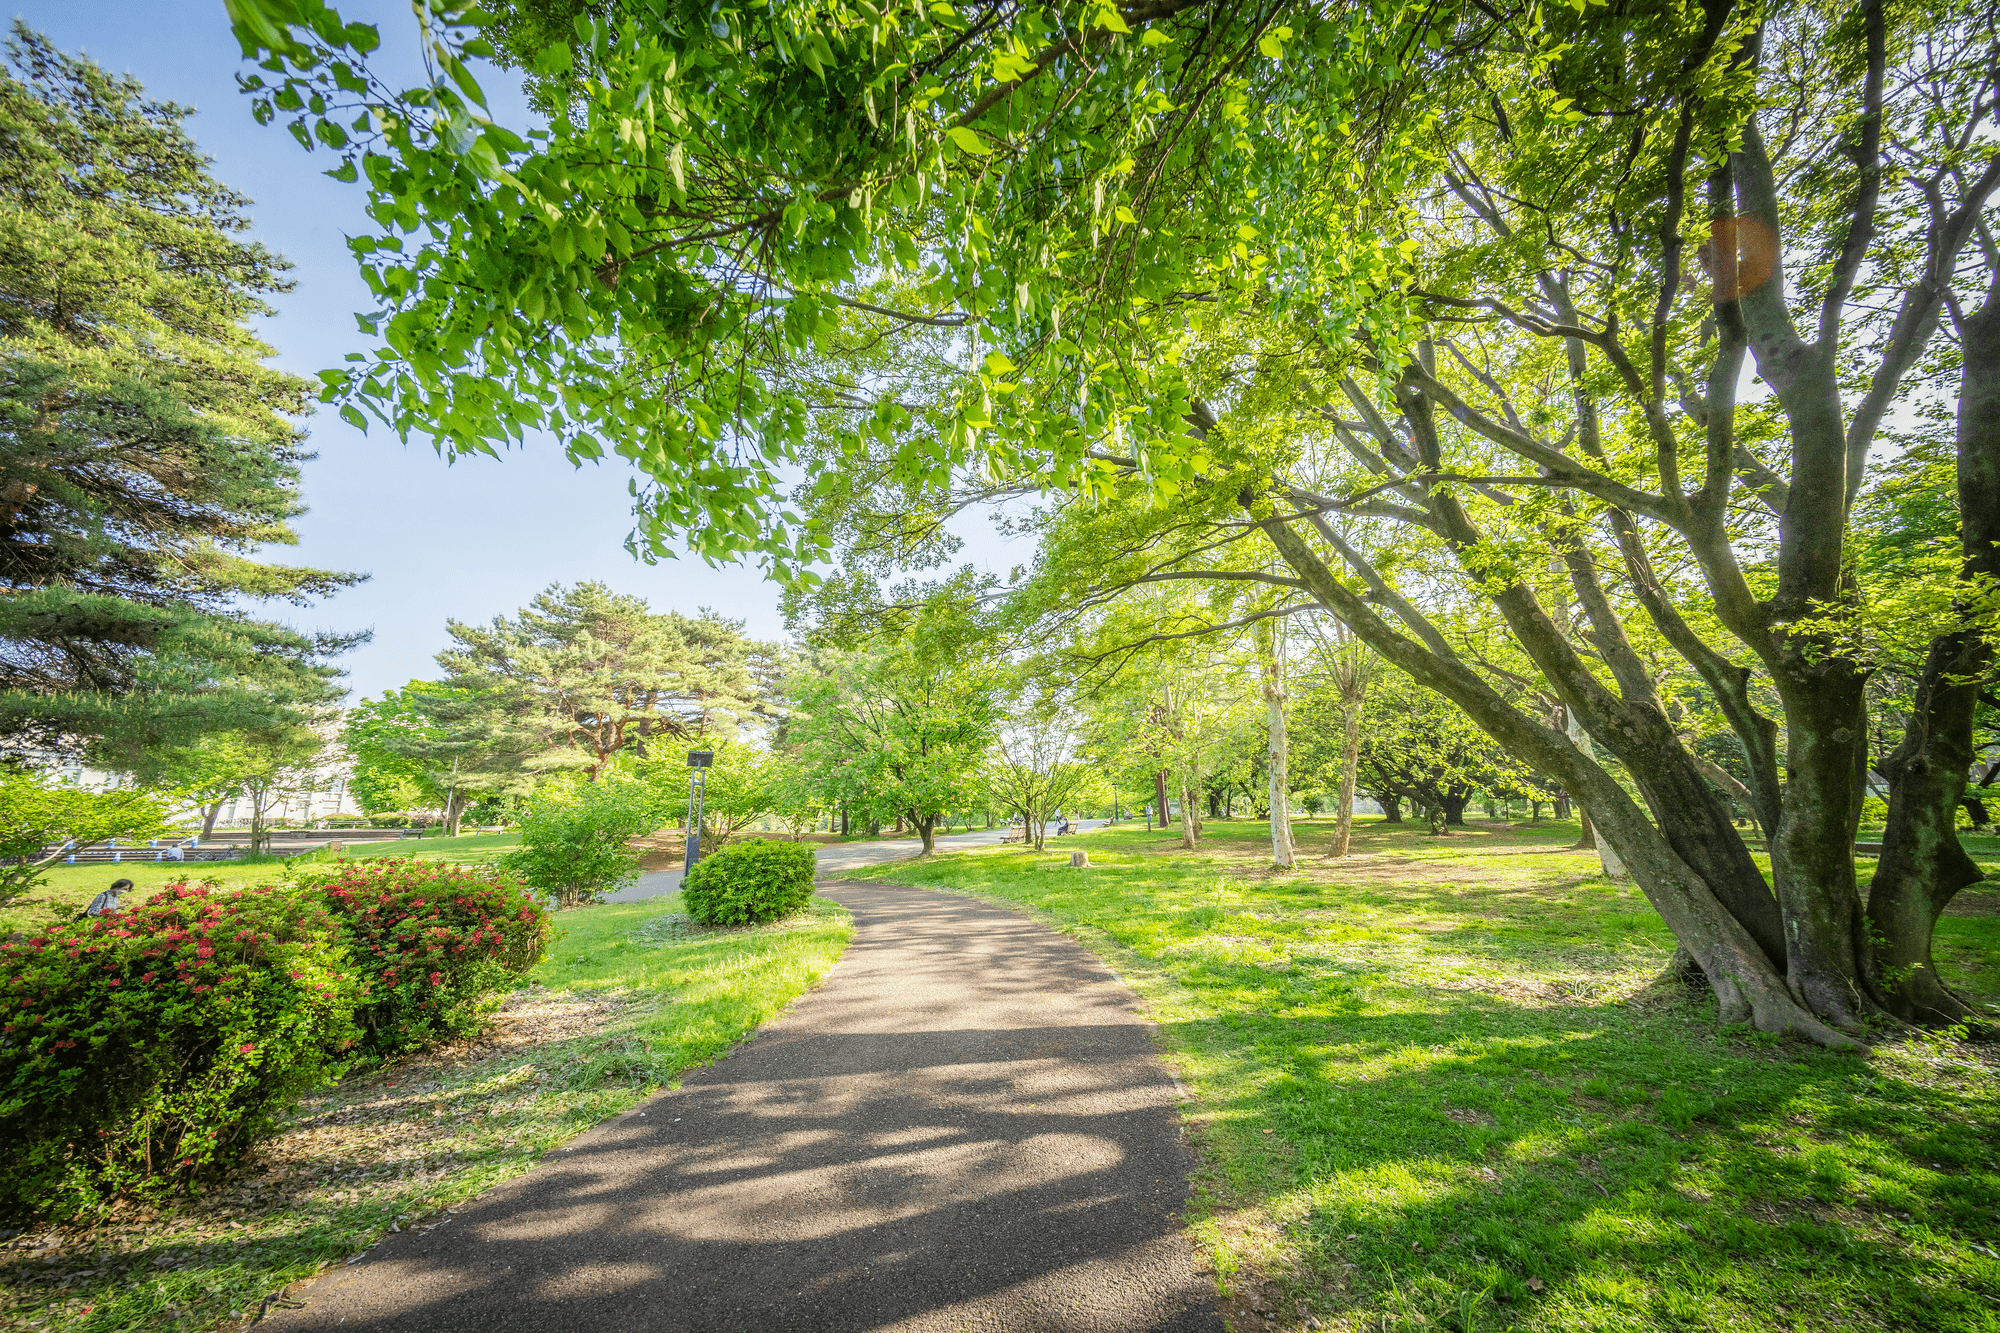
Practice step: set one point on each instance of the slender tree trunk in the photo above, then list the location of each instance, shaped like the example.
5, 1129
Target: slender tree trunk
1188, 832
1607, 859
1350, 761
1270, 648
1160, 796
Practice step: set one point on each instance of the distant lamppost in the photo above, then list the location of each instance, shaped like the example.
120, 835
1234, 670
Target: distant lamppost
699, 761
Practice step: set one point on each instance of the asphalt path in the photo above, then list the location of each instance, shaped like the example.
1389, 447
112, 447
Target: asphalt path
965, 1126
843, 856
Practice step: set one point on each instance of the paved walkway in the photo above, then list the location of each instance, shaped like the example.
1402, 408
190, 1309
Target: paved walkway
845, 856
964, 1127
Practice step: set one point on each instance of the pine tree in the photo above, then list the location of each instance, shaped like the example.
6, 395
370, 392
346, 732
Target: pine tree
584, 673
146, 452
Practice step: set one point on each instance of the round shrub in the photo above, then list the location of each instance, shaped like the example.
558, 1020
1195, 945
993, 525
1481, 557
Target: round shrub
143, 1049
749, 882
436, 943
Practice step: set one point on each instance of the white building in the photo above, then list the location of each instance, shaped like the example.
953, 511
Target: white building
319, 793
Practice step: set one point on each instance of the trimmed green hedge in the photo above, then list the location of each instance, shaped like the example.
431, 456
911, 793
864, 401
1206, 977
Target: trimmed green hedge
749, 882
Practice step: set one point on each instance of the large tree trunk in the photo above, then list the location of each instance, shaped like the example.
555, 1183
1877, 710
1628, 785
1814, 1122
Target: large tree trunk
454, 810
1812, 856
1923, 865
212, 813
1747, 985
1269, 650
1454, 808
1392, 807
1633, 724
926, 828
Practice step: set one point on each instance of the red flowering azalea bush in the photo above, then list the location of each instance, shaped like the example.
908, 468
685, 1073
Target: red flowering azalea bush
437, 944
143, 1049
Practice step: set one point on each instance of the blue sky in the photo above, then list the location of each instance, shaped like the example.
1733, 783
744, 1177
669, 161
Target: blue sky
469, 541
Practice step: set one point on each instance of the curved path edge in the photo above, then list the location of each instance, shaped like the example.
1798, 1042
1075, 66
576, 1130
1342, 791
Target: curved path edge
966, 1125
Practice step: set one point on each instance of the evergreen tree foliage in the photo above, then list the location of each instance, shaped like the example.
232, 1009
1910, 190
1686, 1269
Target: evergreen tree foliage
583, 674
146, 450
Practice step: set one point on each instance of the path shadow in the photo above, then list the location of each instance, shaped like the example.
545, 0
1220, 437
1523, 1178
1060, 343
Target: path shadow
966, 1125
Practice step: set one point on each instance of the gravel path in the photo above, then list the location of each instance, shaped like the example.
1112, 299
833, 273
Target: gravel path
964, 1127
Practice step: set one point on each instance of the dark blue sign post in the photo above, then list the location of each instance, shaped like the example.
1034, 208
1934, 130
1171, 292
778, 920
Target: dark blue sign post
699, 761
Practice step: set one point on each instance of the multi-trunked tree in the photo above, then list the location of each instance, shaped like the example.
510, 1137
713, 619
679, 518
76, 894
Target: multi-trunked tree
1154, 260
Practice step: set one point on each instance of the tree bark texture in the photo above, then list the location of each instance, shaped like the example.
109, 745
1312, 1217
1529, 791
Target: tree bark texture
1923, 865
1353, 689
1746, 982
1607, 859
1270, 652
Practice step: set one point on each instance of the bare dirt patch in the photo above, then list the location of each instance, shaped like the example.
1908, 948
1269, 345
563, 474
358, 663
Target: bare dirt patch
1975, 902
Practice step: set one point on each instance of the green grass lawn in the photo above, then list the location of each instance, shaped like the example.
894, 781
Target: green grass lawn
631, 995
70, 888
1436, 1087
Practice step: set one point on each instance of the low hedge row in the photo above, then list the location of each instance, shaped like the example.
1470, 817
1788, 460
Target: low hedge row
143, 1050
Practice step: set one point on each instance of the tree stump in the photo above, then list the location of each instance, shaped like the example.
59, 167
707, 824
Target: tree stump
1079, 860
